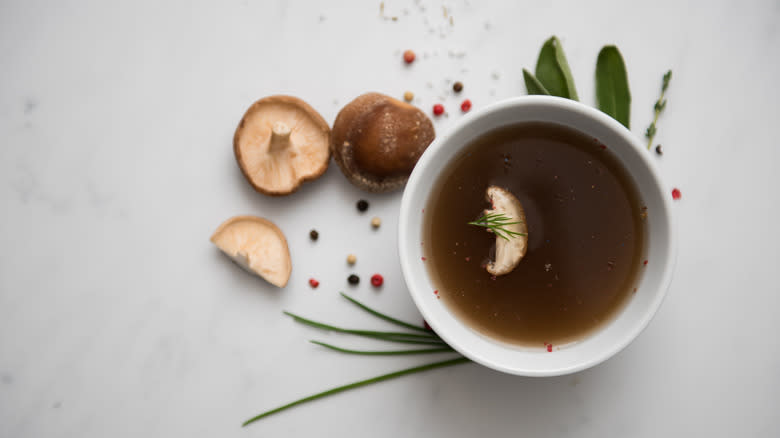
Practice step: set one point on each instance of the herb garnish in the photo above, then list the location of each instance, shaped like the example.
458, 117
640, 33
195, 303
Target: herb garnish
553, 71
429, 338
497, 223
659, 106
612, 93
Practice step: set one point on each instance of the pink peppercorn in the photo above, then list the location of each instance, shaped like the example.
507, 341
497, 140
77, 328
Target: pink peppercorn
465, 106
676, 194
438, 109
377, 280
313, 283
409, 56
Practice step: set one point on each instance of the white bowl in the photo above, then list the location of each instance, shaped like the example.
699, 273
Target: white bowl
660, 247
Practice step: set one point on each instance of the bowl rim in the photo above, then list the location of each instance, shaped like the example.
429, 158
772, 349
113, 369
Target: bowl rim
598, 117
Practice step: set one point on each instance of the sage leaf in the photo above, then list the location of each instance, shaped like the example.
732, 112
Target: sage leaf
612, 93
553, 71
533, 85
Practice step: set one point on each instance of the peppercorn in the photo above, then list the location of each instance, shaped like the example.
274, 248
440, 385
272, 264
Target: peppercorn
313, 283
659, 150
351, 259
353, 279
377, 280
409, 56
465, 106
362, 205
376, 222
438, 109
457, 87
314, 235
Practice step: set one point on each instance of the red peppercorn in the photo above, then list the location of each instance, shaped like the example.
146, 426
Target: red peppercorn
465, 106
676, 194
409, 56
549, 348
426, 326
438, 109
377, 280
313, 283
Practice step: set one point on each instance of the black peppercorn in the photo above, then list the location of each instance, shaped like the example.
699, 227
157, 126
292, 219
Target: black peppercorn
362, 205
659, 150
353, 279
314, 235
457, 87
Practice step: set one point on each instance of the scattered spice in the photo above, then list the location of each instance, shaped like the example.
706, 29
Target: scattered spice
423, 258
457, 87
376, 222
676, 194
314, 235
313, 283
351, 259
353, 279
438, 109
465, 106
426, 326
409, 56
377, 280
362, 205
659, 150
644, 263
408, 96
549, 348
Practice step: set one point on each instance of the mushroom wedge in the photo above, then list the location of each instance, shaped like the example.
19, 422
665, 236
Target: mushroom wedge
506, 219
257, 245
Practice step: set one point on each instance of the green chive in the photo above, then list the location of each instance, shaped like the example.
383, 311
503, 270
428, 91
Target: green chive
358, 384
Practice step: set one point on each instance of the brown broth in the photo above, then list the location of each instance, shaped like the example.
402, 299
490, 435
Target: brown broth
585, 232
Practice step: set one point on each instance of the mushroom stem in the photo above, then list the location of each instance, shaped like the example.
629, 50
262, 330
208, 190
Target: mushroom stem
280, 136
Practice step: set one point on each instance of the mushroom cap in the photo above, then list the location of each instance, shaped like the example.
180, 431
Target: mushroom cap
377, 140
509, 251
280, 143
257, 245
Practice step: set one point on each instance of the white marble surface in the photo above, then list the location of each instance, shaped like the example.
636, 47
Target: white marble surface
118, 318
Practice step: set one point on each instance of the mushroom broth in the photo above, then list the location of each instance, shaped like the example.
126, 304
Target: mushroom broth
585, 235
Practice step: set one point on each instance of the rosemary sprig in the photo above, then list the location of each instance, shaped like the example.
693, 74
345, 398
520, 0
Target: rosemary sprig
446, 349
497, 223
343, 388
659, 106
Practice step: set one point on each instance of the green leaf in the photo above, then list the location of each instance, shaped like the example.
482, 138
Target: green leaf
553, 71
612, 93
533, 85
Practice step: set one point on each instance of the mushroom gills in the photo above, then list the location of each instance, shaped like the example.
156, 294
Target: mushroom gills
512, 246
257, 245
280, 143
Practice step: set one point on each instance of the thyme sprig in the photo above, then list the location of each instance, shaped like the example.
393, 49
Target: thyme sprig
497, 223
659, 106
